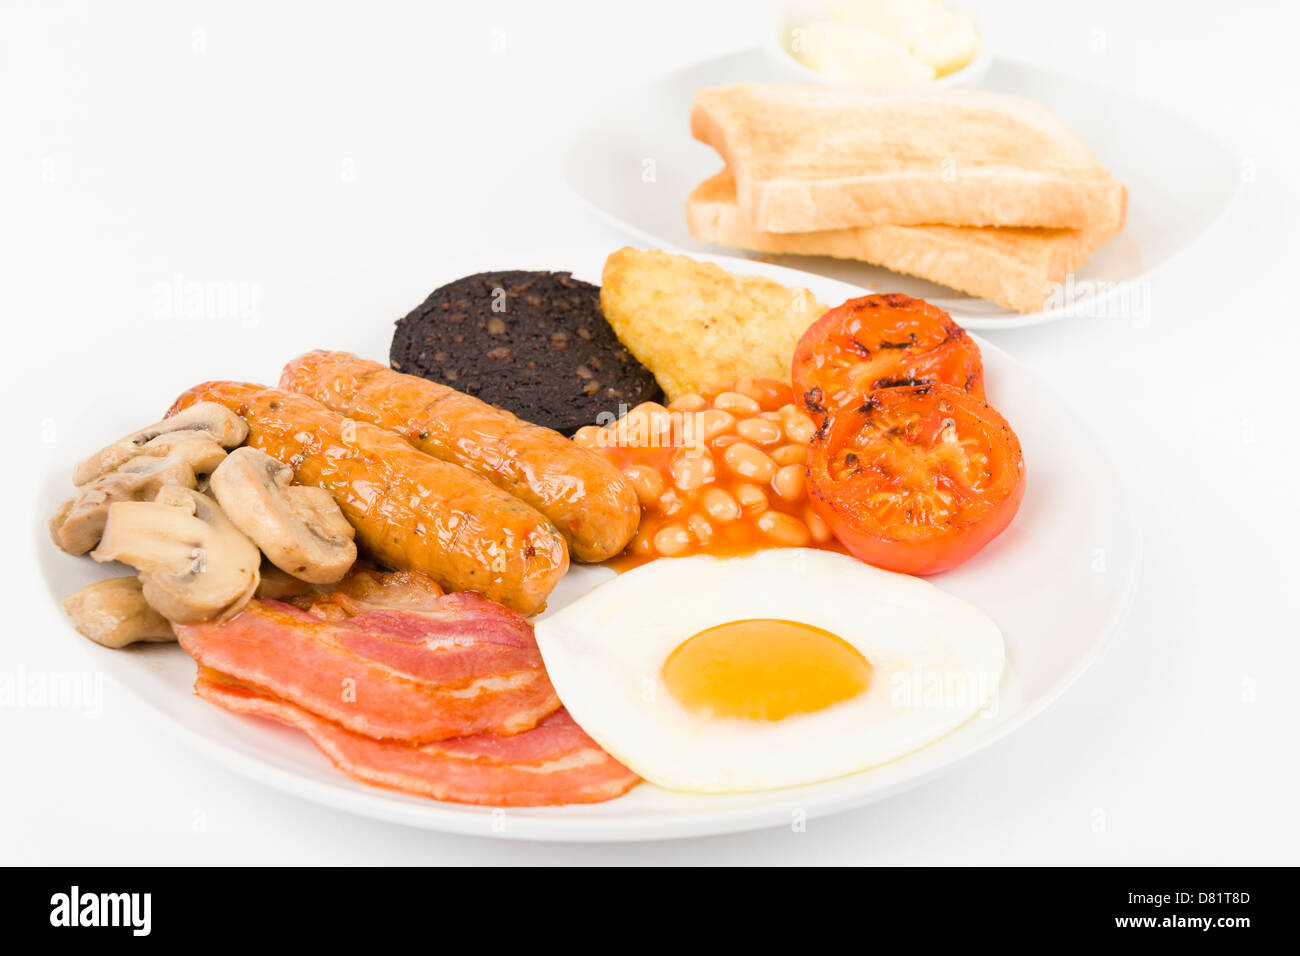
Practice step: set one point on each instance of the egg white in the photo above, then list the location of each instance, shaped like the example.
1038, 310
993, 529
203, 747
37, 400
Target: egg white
935, 659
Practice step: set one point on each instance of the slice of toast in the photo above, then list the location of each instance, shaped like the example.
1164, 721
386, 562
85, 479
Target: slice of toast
696, 325
813, 157
1008, 265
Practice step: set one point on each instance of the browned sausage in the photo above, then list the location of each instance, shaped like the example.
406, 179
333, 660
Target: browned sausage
585, 496
411, 511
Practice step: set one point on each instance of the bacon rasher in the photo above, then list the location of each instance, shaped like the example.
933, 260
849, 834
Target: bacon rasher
387, 656
553, 764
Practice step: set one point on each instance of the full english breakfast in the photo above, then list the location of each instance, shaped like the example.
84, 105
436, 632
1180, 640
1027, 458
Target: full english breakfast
358, 551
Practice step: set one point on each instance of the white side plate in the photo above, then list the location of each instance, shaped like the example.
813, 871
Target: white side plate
1057, 581
637, 163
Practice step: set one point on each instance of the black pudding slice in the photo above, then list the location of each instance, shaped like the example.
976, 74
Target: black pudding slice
535, 343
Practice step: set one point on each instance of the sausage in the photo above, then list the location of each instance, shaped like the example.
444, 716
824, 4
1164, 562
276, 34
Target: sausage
584, 495
411, 511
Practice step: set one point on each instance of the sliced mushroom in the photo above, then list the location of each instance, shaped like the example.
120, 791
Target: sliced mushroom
218, 424
194, 564
299, 528
276, 585
79, 523
114, 613
197, 448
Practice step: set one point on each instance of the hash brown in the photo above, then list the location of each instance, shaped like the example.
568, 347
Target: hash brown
695, 325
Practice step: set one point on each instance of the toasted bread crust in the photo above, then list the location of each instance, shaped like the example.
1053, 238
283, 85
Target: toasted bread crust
812, 157
1011, 266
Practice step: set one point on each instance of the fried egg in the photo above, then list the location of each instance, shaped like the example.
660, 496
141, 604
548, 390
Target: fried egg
782, 668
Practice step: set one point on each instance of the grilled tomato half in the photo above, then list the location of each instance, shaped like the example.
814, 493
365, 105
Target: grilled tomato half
882, 341
916, 478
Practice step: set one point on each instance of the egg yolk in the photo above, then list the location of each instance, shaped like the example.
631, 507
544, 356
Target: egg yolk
764, 669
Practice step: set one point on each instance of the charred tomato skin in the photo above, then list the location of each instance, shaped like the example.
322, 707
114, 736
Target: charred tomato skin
882, 341
876, 470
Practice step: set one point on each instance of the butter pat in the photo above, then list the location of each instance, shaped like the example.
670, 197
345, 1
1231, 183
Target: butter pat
848, 53
887, 42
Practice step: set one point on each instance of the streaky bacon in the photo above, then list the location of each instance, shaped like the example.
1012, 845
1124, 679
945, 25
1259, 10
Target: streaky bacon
431, 668
553, 764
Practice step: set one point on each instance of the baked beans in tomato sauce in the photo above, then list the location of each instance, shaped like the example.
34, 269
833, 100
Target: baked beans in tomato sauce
721, 472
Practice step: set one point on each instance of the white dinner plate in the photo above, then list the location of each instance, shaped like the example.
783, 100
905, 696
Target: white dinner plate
636, 164
1057, 581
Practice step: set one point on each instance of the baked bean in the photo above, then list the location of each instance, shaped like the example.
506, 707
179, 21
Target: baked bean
646, 482
692, 469
800, 428
792, 454
709, 424
770, 393
730, 478
624, 433
821, 532
758, 431
643, 545
672, 539
649, 408
736, 403
719, 505
671, 503
749, 463
701, 528
788, 482
688, 403
751, 498
747, 386
782, 528
654, 423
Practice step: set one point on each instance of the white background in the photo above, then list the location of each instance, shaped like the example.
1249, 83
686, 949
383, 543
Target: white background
231, 142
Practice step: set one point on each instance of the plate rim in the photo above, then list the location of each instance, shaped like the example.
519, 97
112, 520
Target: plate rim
471, 820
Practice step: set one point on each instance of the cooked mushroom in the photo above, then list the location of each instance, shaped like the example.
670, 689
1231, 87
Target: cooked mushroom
276, 585
194, 564
79, 523
198, 448
114, 613
216, 423
299, 528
